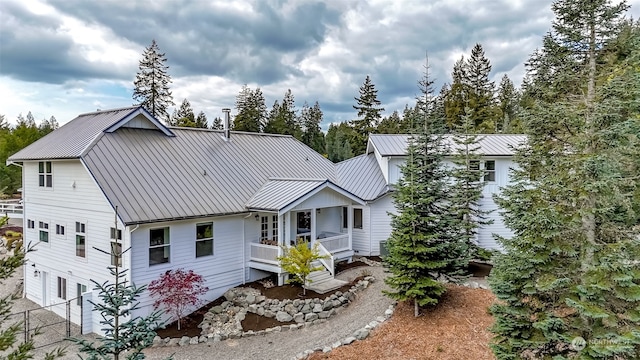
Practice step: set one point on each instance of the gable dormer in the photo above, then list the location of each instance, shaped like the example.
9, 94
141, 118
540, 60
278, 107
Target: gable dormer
140, 118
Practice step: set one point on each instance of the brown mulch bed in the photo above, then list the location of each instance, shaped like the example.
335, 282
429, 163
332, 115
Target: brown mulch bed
14, 228
455, 329
189, 326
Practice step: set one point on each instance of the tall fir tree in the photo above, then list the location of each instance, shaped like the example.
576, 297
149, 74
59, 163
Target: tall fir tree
151, 86
312, 135
369, 115
456, 95
569, 275
422, 245
337, 142
252, 110
201, 121
282, 117
391, 124
508, 100
480, 91
467, 183
183, 116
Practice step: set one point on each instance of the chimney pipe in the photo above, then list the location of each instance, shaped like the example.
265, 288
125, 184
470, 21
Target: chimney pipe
227, 125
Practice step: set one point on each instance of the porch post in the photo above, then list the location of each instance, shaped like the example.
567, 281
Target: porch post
313, 227
287, 224
282, 231
350, 225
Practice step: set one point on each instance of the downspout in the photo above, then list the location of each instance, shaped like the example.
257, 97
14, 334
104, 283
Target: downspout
244, 249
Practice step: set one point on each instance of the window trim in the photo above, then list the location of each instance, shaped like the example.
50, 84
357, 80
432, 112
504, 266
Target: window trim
60, 230
62, 288
45, 174
80, 289
31, 224
345, 217
204, 239
489, 174
81, 234
355, 218
116, 254
166, 243
43, 229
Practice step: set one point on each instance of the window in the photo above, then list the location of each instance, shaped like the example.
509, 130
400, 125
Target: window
45, 177
80, 289
116, 254
264, 228
204, 239
303, 226
44, 231
31, 224
59, 229
81, 239
357, 218
490, 170
345, 217
62, 288
115, 232
159, 246
274, 229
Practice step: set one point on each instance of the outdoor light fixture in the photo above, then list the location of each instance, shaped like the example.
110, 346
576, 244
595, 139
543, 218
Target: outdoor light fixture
257, 217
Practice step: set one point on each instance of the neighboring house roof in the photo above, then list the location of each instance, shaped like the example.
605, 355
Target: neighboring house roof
362, 176
282, 194
72, 139
490, 144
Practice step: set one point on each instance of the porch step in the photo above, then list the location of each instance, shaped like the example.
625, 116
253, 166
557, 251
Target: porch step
322, 281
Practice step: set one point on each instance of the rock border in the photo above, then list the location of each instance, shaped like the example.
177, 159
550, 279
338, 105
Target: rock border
240, 300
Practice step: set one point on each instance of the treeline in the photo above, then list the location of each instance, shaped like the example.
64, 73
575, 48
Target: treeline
14, 138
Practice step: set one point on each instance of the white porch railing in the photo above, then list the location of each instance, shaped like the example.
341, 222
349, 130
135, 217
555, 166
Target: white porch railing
265, 253
327, 259
11, 207
335, 243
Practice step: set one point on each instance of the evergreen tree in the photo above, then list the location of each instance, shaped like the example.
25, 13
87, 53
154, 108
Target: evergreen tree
251, 110
369, 110
456, 96
312, 135
391, 124
151, 86
422, 245
282, 118
508, 103
217, 123
570, 273
53, 123
337, 140
201, 121
467, 183
480, 91
183, 116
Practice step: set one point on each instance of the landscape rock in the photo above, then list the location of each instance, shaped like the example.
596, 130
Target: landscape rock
283, 316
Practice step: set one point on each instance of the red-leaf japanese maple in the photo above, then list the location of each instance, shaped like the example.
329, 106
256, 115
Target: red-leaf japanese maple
177, 291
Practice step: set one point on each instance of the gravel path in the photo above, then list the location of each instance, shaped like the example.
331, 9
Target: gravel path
368, 305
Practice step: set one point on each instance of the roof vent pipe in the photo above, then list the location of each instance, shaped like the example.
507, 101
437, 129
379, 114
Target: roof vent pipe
227, 125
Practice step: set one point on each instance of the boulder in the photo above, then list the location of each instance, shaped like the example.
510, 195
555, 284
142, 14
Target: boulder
310, 317
283, 316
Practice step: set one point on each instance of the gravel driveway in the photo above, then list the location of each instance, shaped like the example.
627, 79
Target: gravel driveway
368, 305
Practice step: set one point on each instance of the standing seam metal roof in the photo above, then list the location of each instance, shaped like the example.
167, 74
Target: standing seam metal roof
490, 144
362, 176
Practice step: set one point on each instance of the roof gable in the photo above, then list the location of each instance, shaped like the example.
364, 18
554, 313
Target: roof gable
140, 118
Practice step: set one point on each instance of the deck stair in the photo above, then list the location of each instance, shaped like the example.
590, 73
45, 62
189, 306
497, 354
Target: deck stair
322, 281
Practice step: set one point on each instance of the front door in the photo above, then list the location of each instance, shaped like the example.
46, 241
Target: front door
45, 287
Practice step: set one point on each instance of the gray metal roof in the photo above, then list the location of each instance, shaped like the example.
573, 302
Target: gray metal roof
278, 193
70, 140
490, 144
154, 177
362, 176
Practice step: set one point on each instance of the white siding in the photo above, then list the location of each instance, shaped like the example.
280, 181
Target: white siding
324, 198
223, 270
380, 222
361, 238
485, 234
140, 122
73, 197
329, 219
394, 169
383, 162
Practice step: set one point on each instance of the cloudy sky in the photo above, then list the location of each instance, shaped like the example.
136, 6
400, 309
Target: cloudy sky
67, 57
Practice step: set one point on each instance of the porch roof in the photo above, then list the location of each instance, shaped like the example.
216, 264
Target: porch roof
281, 195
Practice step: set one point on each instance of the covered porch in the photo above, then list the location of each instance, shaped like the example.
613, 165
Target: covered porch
317, 212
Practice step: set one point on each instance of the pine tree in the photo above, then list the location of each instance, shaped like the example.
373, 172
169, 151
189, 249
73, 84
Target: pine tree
201, 121
480, 90
422, 245
217, 123
312, 135
570, 273
124, 335
282, 118
183, 116
337, 140
369, 110
467, 183
390, 125
151, 86
252, 110
508, 99
456, 96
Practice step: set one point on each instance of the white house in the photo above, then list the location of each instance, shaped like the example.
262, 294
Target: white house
217, 202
